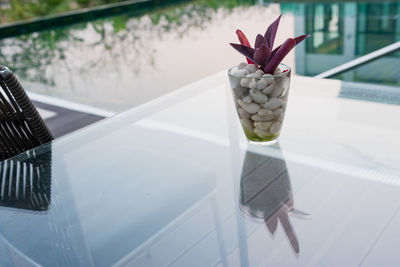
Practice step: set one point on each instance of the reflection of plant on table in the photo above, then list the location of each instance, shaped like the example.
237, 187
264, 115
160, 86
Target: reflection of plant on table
266, 193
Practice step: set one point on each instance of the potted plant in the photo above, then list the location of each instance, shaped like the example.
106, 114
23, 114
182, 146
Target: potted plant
260, 86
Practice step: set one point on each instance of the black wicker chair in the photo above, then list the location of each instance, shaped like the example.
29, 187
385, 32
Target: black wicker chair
25, 180
21, 127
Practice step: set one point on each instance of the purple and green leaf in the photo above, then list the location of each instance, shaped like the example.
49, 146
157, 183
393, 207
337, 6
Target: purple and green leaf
260, 40
271, 32
243, 40
298, 40
279, 55
261, 55
246, 51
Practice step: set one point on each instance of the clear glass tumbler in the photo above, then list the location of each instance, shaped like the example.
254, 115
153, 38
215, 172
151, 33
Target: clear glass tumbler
260, 100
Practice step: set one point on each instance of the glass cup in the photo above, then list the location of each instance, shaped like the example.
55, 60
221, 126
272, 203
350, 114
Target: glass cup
260, 100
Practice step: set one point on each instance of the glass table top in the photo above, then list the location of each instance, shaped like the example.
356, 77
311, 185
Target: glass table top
174, 183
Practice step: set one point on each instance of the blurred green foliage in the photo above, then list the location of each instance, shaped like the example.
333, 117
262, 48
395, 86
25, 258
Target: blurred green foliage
27, 9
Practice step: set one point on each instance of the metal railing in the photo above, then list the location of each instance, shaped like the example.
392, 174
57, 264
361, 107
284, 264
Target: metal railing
360, 61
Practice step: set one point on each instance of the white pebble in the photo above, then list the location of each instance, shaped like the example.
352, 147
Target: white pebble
259, 73
261, 84
275, 127
240, 73
269, 80
240, 91
261, 133
247, 99
251, 75
263, 125
250, 108
258, 97
269, 89
261, 118
264, 112
280, 118
245, 82
277, 113
267, 76
252, 84
251, 68
247, 124
273, 103
242, 65
284, 104
244, 114
278, 90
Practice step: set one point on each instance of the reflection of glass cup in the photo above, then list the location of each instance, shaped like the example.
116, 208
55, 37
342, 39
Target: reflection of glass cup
265, 189
260, 101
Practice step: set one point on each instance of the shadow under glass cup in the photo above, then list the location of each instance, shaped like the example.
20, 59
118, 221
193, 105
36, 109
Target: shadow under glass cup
260, 101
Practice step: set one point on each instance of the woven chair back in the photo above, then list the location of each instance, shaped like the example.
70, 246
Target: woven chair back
21, 127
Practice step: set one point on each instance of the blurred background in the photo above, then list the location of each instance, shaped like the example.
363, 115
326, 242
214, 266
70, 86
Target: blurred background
118, 57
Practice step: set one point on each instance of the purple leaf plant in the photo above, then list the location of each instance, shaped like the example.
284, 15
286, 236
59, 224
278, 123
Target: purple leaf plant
262, 54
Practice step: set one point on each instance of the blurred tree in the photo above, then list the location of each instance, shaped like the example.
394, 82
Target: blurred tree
32, 8
25, 9
84, 2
